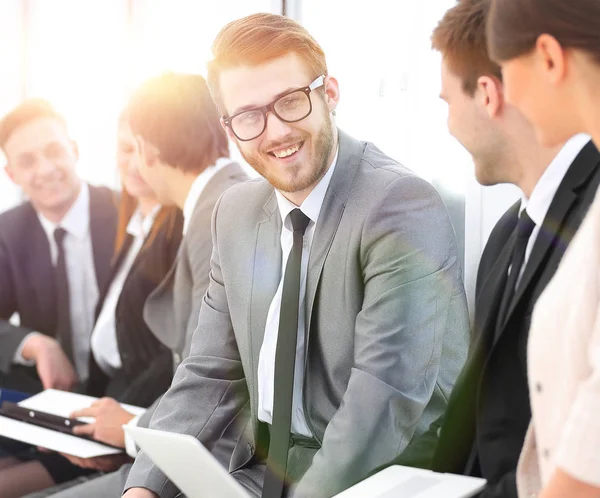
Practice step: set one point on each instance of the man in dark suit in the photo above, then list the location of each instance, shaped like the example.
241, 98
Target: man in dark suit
488, 412
55, 252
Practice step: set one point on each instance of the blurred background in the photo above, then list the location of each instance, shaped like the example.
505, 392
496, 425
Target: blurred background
85, 57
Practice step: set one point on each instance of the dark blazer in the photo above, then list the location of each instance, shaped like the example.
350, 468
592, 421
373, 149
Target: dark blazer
26, 273
488, 412
147, 364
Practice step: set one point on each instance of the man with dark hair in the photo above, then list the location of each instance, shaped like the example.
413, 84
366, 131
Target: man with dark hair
335, 308
55, 252
184, 157
488, 413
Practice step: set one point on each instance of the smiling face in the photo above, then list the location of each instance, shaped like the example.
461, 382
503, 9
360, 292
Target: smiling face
470, 123
293, 157
41, 160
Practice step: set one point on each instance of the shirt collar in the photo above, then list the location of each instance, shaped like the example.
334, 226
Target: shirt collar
77, 220
139, 226
311, 206
198, 186
538, 204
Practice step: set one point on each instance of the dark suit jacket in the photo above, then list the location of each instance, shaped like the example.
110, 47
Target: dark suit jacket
488, 413
147, 364
26, 274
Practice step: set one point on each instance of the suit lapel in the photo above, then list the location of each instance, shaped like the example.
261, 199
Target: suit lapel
267, 258
552, 232
349, 157
490, 295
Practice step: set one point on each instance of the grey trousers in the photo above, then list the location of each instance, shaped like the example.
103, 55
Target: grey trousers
94, 486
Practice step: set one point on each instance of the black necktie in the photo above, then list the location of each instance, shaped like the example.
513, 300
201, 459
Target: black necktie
525, 227
285, 361
63, 308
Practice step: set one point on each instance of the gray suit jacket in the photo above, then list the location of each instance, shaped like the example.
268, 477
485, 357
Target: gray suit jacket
172, 310
387, 326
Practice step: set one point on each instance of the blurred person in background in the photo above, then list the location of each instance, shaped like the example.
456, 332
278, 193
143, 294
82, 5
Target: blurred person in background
482, 432
55, 253
126, 360
549, 51
183, 154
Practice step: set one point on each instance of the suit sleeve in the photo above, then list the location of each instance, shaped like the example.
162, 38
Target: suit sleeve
10, 336
411, 275
209, 389
198, 256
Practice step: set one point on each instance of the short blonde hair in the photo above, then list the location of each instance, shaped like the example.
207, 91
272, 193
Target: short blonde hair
259, 38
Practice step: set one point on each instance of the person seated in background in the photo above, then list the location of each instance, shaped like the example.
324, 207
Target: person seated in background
126, 359
483, 430
347, 353
185, 159
55, 254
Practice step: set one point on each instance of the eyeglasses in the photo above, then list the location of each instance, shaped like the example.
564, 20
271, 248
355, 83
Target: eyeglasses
290, 107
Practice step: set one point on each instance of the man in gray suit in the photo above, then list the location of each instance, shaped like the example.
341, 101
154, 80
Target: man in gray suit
186, 161
335, 305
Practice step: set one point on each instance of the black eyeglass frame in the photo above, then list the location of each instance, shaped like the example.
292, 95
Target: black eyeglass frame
317, 83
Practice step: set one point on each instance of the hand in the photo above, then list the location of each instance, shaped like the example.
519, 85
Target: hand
139, 493
107, 428
107, 463
53, 366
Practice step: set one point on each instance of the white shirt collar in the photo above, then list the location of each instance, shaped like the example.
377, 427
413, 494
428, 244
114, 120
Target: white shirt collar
139, 226
311, 206
77, 220
198, 186
545, 189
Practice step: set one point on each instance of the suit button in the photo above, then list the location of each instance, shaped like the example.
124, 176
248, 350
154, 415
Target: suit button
177, 358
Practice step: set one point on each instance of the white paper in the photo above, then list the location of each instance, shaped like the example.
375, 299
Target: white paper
59, 403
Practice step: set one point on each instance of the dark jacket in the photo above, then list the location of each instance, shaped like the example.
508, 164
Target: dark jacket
147, 365
488, 412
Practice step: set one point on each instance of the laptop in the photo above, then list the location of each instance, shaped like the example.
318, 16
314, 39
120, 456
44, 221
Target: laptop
197, 474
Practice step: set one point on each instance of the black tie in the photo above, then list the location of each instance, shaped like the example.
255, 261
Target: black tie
63, 308
525, 227
285, 360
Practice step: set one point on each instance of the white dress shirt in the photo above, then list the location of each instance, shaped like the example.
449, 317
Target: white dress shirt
105, 347
188, 210
311, 207
81, 275
538, 204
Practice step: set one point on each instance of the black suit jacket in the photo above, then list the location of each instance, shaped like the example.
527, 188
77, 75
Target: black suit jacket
26, 273
488, 413
147, 364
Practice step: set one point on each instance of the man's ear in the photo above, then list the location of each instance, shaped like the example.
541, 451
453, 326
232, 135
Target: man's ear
552, 57
332, 92
490, 92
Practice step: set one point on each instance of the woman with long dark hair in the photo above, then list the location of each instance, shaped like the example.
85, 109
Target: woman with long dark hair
549, 51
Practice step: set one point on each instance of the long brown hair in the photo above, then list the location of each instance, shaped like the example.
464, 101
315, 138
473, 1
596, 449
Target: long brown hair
514, 26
